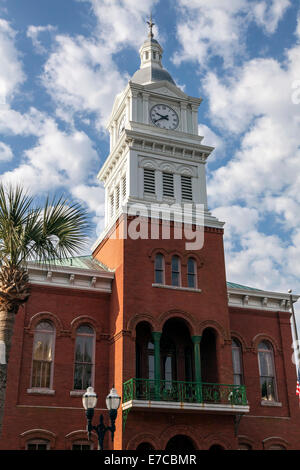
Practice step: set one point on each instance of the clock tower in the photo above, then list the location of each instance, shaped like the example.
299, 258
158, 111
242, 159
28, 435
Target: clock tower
156, 155
154, 174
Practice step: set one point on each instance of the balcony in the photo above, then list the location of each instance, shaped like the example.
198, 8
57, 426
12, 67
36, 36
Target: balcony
189, 396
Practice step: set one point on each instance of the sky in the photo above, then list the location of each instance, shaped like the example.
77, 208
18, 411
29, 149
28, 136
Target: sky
62, 62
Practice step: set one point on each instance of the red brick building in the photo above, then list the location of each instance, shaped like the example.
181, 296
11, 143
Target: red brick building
200, 363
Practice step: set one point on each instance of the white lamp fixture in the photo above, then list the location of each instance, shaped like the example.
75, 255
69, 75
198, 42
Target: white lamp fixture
89, 399
113, 400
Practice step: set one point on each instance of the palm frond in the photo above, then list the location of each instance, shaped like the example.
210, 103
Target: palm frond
57, 230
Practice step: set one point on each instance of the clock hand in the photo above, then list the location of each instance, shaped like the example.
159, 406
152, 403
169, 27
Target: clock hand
163, 117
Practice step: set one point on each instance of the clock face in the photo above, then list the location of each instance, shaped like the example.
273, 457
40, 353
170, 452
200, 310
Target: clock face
163, 116
122, 124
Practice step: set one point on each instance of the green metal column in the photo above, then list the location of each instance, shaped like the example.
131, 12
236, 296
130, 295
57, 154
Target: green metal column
197, 359
156, 335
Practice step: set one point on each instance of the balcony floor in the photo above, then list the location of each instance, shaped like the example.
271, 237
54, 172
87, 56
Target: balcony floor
185, 406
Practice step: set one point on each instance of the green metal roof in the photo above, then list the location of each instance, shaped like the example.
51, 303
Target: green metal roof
83, 262
233, 285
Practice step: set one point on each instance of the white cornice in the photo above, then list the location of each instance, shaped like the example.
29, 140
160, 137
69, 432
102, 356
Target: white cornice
161, 142
258, 299
71, 277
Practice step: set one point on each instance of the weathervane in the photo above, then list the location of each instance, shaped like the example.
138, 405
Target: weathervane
150, 24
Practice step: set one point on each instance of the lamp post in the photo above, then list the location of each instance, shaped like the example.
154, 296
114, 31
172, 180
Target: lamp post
89, 401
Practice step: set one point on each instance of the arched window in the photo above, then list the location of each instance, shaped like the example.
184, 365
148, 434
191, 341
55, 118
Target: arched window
82, 445
267, 371
191, 273
159, 269
38, 444
43, 352
84, 357
238, 376
176, 271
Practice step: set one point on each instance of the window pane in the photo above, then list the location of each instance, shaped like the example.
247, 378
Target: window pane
266, 363
267, 388
84, 351
159, 261
85, 329
159, 278
191, 266
78, 377
175, 271
236, 360
191, 280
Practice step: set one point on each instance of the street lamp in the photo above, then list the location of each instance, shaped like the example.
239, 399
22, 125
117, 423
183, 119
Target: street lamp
89, 401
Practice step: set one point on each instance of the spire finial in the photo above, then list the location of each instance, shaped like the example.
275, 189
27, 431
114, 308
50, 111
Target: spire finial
150, 24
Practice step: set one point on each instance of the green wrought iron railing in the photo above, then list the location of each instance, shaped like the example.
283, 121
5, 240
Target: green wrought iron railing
188, 392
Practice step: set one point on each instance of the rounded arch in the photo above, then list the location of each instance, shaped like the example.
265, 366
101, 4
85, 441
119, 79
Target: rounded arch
274, 441
214, 325
138, 439
84, 320
176, 313
245, 440
182, 430
139, 318
195, 256
45, 316
80, 435
156, 251
259, 338
240, 338
217, 440
180, 443
37, 434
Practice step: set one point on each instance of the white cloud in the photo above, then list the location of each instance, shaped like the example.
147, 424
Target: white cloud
268, 13
217, 28
33, 33
212, 139
59, 159
5, 152
11, 70
81, 76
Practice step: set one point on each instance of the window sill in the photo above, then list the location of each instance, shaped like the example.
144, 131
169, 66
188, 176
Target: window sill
271, 403
77, 393
189, 289
41, 391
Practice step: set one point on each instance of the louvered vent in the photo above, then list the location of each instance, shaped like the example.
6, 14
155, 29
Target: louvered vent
117, 197
149, 181
112, 203
124, 188
186, 188
168, 184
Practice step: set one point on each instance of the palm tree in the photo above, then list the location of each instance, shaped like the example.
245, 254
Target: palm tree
29, 233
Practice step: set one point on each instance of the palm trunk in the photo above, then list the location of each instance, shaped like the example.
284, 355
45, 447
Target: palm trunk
7, 320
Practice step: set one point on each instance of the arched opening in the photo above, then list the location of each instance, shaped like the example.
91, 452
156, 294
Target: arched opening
180, 443
144, 351
176, 352
216, 447
208, 348
144, 447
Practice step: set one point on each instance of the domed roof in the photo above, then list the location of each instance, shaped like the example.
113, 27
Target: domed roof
151, 69
151, 74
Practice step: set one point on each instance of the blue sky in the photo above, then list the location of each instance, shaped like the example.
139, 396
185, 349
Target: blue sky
63, 62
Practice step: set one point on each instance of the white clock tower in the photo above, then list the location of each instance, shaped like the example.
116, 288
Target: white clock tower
156, 155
